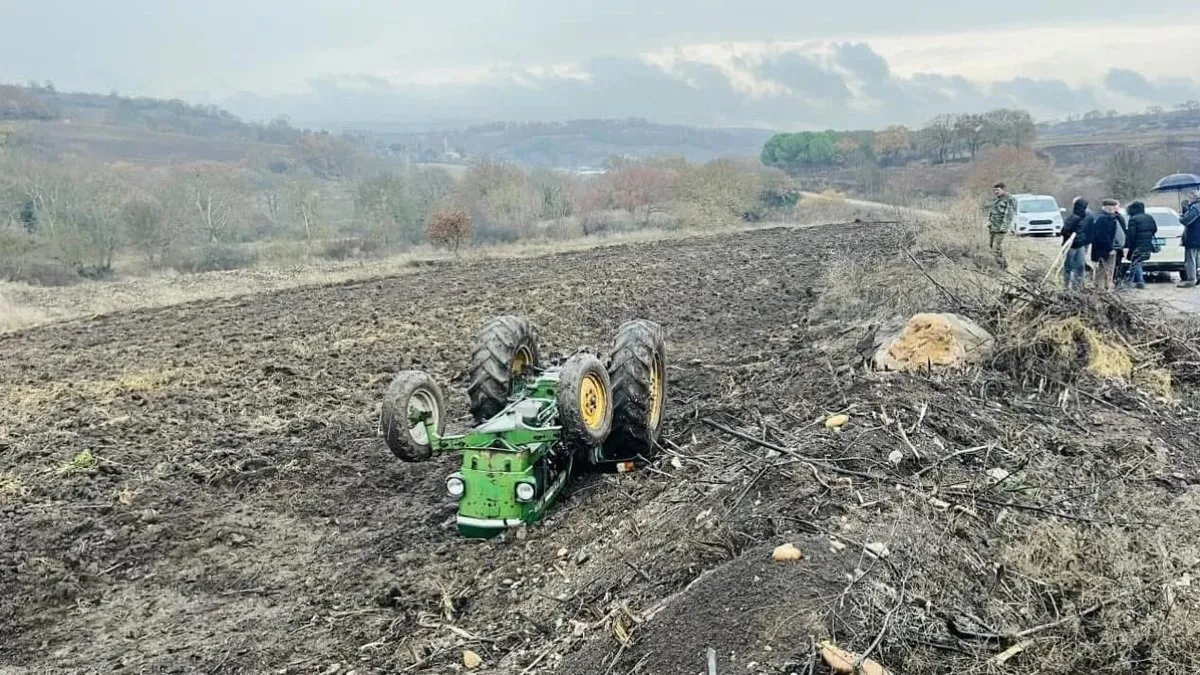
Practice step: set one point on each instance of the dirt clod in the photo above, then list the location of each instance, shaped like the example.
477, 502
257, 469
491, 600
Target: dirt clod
786, 553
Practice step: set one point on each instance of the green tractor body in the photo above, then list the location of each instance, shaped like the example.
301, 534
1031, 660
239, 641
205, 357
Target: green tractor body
518, 459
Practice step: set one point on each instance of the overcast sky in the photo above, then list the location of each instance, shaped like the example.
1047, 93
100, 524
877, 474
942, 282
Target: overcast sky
773, 63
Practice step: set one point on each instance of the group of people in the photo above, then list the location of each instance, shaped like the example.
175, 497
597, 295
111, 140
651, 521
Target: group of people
1106, 238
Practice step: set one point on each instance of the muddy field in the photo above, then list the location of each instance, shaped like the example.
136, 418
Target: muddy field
200, 488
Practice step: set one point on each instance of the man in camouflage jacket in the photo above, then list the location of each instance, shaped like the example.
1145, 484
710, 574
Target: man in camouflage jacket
1001, 212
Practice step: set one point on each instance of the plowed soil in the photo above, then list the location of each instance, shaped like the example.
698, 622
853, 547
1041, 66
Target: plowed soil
201, 488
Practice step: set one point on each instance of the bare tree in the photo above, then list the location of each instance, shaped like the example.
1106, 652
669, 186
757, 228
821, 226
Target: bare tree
306, 202
1128, 173
723, 191
891, 143
638, 188
97, 228
941, 137
148, 230
212, 198
972, 131
1011, 127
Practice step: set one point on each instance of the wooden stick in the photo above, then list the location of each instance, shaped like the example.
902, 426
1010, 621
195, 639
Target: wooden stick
786, 451
1059, 259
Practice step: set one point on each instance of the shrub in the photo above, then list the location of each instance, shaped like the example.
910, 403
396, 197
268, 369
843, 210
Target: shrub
216, 258
449, 229
342, 249
25, 258
495, 234
1021, 169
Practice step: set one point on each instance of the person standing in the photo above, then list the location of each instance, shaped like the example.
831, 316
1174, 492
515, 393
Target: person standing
1119, 244
1140, 237
1001, 212
1191, 238
1075, 262
1103, 236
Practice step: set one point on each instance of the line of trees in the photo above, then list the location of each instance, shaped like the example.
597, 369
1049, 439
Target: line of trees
1192, 106
946, 138
70, 218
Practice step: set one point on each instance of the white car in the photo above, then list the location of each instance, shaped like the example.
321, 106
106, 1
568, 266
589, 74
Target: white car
1037, 214
1170, 238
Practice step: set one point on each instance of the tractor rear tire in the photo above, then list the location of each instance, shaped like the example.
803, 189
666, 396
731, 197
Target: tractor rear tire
409, 391
637, 367
506, 347
585, 404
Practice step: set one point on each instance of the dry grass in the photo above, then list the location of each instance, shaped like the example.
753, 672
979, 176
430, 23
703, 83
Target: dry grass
947, 261
24, 403
12, 488
14, 316
962, 235
1102, 356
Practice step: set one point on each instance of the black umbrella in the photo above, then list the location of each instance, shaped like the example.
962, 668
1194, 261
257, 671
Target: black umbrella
1177, 181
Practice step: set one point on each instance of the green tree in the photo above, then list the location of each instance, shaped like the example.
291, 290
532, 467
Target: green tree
800, 150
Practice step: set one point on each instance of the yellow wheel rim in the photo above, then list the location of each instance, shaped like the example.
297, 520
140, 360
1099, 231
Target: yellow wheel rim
593, 401
656, 394
521, 360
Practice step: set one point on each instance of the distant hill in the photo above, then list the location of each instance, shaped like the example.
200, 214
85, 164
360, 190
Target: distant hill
148, 131
34, 102
1091, 139
1183, 120
85, 120
572, 144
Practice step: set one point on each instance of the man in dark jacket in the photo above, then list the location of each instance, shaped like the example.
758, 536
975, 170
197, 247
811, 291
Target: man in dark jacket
1119, 245
1140, 241
1190, 218
1077, 224
1102, 236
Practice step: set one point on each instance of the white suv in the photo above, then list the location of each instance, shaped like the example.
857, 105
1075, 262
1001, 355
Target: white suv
1170, 240
1037, 214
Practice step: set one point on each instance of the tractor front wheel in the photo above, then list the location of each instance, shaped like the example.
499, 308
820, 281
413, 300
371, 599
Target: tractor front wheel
411, 396
506, 348
584, 398
637, 367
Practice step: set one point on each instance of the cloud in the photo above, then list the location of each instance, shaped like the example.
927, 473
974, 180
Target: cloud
1046, 98
160, 48
1165, 92
805, 76
835, 85
864, 62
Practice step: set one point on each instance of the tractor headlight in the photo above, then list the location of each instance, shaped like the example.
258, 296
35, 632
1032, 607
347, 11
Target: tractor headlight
455, 485
525, 492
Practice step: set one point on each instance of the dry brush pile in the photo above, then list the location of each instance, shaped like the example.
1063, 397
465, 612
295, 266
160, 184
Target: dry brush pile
1030, 512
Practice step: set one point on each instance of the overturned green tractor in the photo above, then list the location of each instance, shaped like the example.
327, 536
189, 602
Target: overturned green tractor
536, 424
